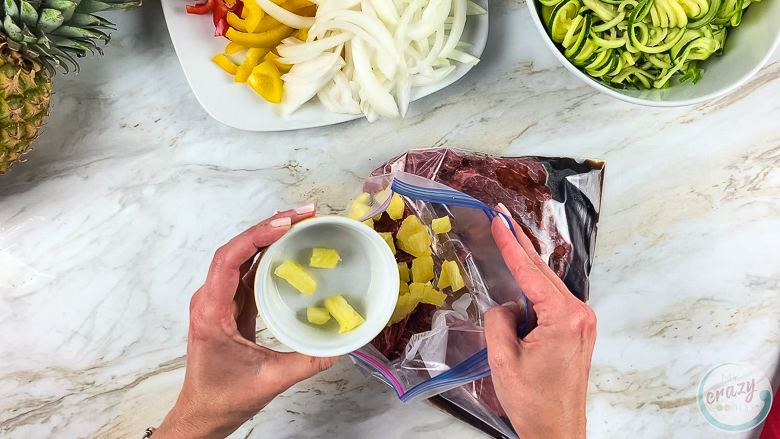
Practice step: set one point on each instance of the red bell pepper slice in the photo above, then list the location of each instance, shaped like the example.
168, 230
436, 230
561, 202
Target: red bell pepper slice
220, 18
220, 10
202, 9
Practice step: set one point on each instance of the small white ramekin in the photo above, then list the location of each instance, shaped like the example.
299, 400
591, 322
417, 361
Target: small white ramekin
367, 277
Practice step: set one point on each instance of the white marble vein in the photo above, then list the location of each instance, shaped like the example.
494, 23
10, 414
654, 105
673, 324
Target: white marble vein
108, 228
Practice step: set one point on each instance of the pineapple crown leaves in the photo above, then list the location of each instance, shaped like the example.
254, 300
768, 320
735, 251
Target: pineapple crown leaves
53, 32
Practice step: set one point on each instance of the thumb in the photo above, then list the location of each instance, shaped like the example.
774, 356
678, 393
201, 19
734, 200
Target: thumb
501, 335
294, 367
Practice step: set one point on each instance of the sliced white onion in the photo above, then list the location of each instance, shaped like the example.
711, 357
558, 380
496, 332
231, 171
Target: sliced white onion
438, 75
293, 54
370, 88
463, 57
365, 56
296, 94
434, 13
386, 11
473, 9
459, 22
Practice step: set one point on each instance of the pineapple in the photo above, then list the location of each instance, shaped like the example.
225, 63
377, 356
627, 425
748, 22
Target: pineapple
396, 208
413, 237
422, 269
36, 37
318, 316
403, 271
441, 225
297, 276
450, 276
324, 258
388, 237
343, 312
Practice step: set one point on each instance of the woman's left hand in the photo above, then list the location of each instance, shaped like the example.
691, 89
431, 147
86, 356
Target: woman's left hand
229, 378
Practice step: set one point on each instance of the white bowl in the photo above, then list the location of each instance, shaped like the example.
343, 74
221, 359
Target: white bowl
367, 277
748, 48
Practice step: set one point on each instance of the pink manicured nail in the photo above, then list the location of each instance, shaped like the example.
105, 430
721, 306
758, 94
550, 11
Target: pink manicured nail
308, 208
506, 223
281, 222
503, 208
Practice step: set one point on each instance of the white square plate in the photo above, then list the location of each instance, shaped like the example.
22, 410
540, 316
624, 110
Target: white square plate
238, 106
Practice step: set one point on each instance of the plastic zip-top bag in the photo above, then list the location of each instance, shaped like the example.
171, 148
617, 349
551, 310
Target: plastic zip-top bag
436, 348
439, 358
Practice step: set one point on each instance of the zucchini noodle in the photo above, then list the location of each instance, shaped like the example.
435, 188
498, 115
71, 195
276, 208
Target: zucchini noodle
641, 44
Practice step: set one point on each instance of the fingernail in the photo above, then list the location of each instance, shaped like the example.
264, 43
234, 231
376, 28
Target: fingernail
506, 223
503, 208
509, 304
276, 212
281, 222
308, 208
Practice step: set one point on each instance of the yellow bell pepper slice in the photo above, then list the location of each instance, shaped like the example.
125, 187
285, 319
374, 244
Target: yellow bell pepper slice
226, 64
240, 24
253, 13
236, 22
253, 56
267, 82
271, 56
266, 39
233, 48
253, 17
301, 34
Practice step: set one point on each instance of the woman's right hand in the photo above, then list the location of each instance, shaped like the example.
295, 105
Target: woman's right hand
542, 380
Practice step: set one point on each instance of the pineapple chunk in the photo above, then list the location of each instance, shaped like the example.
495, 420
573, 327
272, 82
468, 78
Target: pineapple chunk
450, 274
425, 293
369, 222
409, 227
403, 271
343, 312
441, 225
388, 237
403, 288
433, 296
377, 218
396, 208
413, 237
417, 291
318, 316
360, 207
403, 308
417, 245
444, 279
422, 269
324, 258
358, 210
294, 273
363, 198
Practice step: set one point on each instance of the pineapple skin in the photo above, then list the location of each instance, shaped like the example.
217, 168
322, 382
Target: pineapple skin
36, 38
25, 98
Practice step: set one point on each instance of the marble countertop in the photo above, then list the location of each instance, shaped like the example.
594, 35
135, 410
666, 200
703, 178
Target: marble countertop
109, 227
